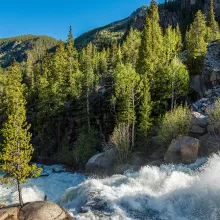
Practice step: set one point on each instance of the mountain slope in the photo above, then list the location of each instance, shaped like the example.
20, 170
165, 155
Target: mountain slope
173, 12
18, 48
111, 32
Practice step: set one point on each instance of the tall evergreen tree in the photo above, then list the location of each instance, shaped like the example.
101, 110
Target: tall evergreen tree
151, 49
196, 44
70, 35
29, 78
130, 47
152, 58
172, 42
88, 79
126, 93
213, 24
17, 150
52, 96
72, 73
179, 80
145, 107
3, 77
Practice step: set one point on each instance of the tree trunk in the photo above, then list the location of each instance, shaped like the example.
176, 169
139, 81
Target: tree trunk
133, 123
172, 101
19, 193
88, 108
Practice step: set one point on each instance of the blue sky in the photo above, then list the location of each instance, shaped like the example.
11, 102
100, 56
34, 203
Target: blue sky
53, 18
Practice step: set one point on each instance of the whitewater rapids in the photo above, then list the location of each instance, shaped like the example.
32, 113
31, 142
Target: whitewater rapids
169, 192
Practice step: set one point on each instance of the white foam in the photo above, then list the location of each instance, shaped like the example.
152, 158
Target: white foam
53, 186
166, 193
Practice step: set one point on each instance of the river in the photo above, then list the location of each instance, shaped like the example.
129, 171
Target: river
169, 192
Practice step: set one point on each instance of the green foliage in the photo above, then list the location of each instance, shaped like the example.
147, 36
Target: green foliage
3, 78
214, 116
126, 89
121, 139
151, 53
59, 83
214, 33
179, 80
114, 89
18, 48
130, 48
145, 108
173, 124
88, 80
85, 147
104, 36
17, 150
172, 42
196, 43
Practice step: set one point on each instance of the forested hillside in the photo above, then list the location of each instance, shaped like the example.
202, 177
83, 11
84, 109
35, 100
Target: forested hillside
121, 96
172, 12
20, 47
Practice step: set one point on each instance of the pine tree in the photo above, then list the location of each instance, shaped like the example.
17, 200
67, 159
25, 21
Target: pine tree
70, 35
213, 24
145, 107
52, 95
179, 39
151, 53
88, 78
59, 68
179, 80
196, 44
172, 42
17, 150
73, 73
103, 66
29, 79
126, 91
130, 47
152, 58
44, 105
3, 77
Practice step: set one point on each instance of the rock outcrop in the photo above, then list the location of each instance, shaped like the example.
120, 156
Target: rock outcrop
184, 150
198, 124
10, 213
210, 74
103, 161
43, 211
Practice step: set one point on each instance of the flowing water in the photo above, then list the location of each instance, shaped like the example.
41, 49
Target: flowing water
171, 192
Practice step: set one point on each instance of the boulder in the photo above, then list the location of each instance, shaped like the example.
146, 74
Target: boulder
184, 149
102, 161
10, 213
209, 76
43, 211
210, 144
198, 124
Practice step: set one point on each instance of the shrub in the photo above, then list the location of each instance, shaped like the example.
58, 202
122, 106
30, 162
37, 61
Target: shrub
64, 156
214, 116
80, 152
121, 139
85, 147
173, 124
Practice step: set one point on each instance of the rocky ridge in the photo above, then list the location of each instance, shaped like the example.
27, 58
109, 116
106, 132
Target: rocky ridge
176, 12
